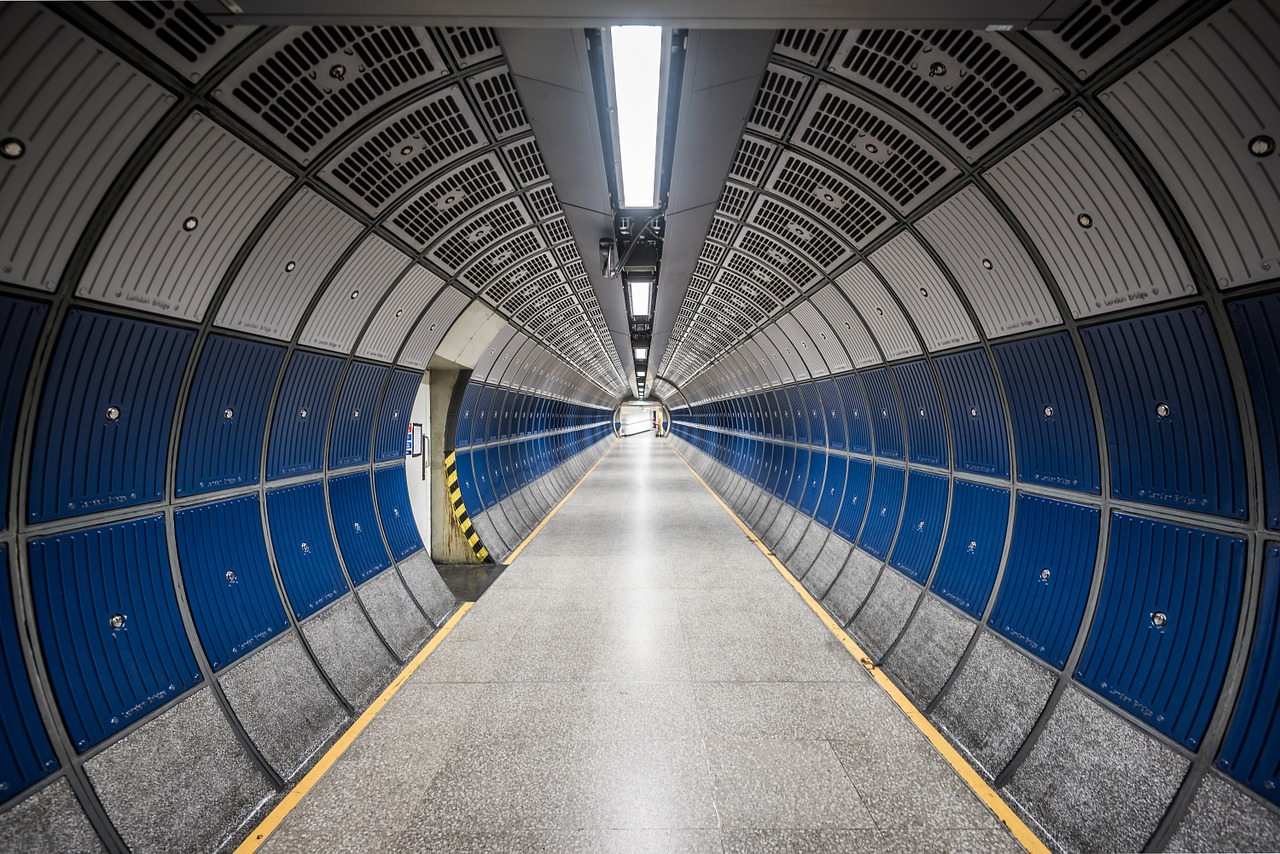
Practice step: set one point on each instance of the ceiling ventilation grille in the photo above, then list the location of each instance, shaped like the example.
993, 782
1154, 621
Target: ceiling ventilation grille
834, 200
751, 159
499, 102
799, 232
733, 201
769, 251
781, 89
557, 230
177, 33
450, 198
1100, 30
470, 45
721, 229
568, 254
712, 253
479, 233
543, 201
526, 161
767, 289
804, 45
482, 272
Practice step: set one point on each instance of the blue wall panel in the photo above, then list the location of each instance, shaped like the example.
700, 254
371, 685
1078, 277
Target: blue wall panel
304, 547
857, 413
473, 481
1052, 417
787, 467
353, 417
20, 322
926, 431
975, 542
1166, 618
467, 417
227, 577
392, 492
85, 584
221, 441
83, 459
1172, 427
800, 414
813, 483
832, 491
978, 434
1257, 326
857, 497
799, 477
394, 417
1046, 581
833, 414
923, 517
886, 420
301, 414
351, 501
882, 514
25, 753
484, 415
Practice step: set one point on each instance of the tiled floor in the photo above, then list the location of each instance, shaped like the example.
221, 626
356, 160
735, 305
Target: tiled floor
641, 679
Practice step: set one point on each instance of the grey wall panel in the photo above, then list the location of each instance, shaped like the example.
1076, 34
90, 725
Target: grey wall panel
78, 112
1195, 110
825, 338
286, 267
50, 820
484, 365
848, 327
1098, 31
174, 236
835, 201
432, 328
991, 265
804, 339
352, 294
178, 34
1092, 219
398, 312
888, 325
925, 291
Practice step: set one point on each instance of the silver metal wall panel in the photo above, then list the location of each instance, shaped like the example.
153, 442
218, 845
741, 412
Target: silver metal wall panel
751, 159
352, 294
771, 357
794, 268
178, 34
78, 112
992, 266
766, 361
1092, 220
835, 201
1098, 31
925, 291
824, 337
1196, 110
803, 342
286, 267
848, 327
397, 314
432, 328
175, 234
525, 161
484, 365
865, 290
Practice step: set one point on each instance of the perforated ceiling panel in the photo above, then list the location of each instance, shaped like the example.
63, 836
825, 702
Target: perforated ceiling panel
824, 337
480, 232
1198, 110
878, 309
397, 314
1095, 225
798, 231
78, 112
471, 45
764, 249
341, 312
427, 215
847, 326
495, 91
1098, 31
178, 34
807, 46
781, 92
832, 199
937, 311
174, 236
525, 161
990, 263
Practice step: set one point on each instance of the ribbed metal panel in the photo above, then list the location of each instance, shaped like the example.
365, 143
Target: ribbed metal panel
807, 46
832, 491
108, 620
396, 513
1172, 427
468, 418
1046, 581
394, 417
834, 356
814, 480
352, 294
302, 411
432, 328
79, 112
471, 45
1257, 327
303, 547
1251, 752
926, 432
178, 34
25, 752
975, 541
20, 324
977, 416
351, 504
788, 340
990, 263
103, 427
227, 578
882, 406
882, 512
1166, 619
926, 293
1098, 31
1093, 222
397, 314
470, 468
1193, 110
173, 237
814, 409
857, 413
881, 313
355, 414
222, 426
832, 411
923, 516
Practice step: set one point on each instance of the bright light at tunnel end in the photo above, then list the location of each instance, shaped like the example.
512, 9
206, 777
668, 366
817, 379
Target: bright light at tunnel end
637, 69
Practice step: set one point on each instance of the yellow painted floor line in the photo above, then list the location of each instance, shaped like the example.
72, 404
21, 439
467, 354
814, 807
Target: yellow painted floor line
975, 781
295, 795
515, 554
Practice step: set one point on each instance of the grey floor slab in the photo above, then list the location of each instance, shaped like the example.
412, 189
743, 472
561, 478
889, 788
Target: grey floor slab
641, 678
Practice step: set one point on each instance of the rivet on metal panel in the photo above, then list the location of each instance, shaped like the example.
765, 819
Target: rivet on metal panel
1085, 220
973, 547
1158, 619
1048, 412
1044, 574
358, 528
355, 294
922, 413
291, 266
228, 414
937, 69
920, 526
1260, 146
973, 411
302, 413
12, 149
190, 223
116, 622
337, 72
113, 413
355, 413
1163, 410
986, 262
231, 576
306, 548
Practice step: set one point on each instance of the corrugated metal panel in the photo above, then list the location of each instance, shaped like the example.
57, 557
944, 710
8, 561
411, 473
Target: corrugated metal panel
109, 395
1166, 619
857, 413
301, 415
304, 547
1046, 581
977, 415
25, 752
1172, 427
882, 513
351, 505
394, 416
286, 267
1194, 109
355, 414
108, 620
484, 365
177, 231
20, 325
352, 294
975, 542
227, 577
833, 491
834, 356
926, 432
1093, 222
79, 112
1098, 31
923, 517
880, 312
1257, 327
1052, 416
814, 409
928, 296
789, 348
178, 34
432, 328
886, 420
1251, 752
813, 483
222, 426
395, 512
990, 263
470, 468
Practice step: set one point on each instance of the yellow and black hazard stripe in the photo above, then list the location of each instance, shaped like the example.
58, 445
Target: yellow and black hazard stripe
460, 511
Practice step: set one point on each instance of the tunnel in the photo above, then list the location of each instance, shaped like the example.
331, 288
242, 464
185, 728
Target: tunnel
895, 465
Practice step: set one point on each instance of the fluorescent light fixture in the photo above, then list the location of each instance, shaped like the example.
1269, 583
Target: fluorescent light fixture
642, 352
639, 373
637, 72
641, 291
